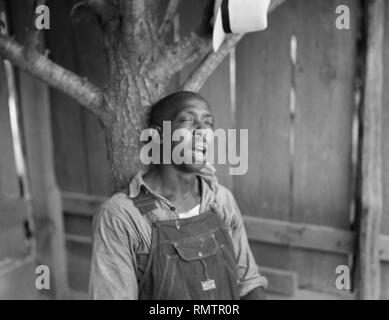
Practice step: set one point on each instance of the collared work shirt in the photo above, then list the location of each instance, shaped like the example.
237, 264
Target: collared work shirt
122, 236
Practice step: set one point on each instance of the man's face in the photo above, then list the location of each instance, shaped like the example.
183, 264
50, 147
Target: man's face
193, 121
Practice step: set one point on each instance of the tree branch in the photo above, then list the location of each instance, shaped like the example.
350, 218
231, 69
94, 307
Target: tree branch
168, 18
32, 38
99, 6
198, 77
52, 74
177, 56
198, 43
134, 27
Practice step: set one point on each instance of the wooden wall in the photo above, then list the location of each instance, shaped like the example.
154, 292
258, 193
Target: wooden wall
301, 170
300, 167
17, 277
385, 156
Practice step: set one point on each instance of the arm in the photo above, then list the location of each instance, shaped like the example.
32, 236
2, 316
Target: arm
113, 259
251, 282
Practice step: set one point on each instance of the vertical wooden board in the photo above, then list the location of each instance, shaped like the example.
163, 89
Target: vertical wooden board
35, 108
70, 150
385, 129
217, 88
19, 283
385, 156
8, 176
263, 83
316, 269
78, 225
217, 92
189, 17
384, 280
12, 241
324, 102
79, 259
323, 122
89, 42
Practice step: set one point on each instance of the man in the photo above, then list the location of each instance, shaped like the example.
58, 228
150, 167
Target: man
176, 233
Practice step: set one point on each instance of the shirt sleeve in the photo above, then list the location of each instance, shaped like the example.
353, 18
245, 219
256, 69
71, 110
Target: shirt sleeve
113, 265
248, 274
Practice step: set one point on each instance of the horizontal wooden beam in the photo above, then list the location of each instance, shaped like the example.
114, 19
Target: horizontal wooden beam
82, 204
278, 232
298, 235
280, 281
70, 237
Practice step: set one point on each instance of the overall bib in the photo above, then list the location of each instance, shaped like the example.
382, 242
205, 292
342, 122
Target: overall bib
190, 258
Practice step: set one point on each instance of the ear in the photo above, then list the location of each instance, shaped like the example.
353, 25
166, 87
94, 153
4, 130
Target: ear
157, 128
156, 132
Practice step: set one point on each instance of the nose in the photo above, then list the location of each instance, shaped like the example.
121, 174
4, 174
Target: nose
200, 125
199, 132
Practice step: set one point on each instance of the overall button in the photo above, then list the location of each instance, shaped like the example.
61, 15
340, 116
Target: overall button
177, 224
200, 254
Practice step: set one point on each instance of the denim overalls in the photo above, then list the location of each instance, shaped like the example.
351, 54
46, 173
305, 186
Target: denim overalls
190, 258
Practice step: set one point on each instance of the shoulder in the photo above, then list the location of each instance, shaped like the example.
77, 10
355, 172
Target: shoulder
119, 214
224, 196
226, 200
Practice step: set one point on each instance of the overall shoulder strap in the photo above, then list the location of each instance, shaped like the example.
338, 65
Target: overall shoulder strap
144, 201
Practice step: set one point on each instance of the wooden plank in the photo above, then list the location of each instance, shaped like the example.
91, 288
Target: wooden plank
89, 41
324, 106
46, 200
189, 13
370, 219
70, 150
385, 156
263, 82
18, 281
385, 129
12, 241
323, 78
299, 235
78, 257
13, 211
384, 247
263, 79
217, 92
8, 176
280, 281
83, 204
217, 87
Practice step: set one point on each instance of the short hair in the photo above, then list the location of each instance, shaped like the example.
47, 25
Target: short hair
160, 110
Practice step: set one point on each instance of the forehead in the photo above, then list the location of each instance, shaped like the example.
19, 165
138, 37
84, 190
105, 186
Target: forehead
191, 105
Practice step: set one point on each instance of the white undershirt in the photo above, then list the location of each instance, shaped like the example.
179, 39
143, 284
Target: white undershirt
191, 213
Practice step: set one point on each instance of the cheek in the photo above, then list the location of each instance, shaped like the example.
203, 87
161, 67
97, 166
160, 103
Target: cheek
209, 136
183, 137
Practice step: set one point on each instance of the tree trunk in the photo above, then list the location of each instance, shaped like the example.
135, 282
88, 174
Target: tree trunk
128, 98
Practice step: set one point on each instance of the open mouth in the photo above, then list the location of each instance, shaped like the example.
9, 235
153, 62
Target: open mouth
200, 150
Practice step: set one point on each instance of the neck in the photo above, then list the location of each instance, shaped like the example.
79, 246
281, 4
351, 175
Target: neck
171, 182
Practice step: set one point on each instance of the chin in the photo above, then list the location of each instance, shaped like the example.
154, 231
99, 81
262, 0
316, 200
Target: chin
191, 167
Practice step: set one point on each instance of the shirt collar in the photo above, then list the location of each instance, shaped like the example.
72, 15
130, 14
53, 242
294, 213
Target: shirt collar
136, 184
207, 174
